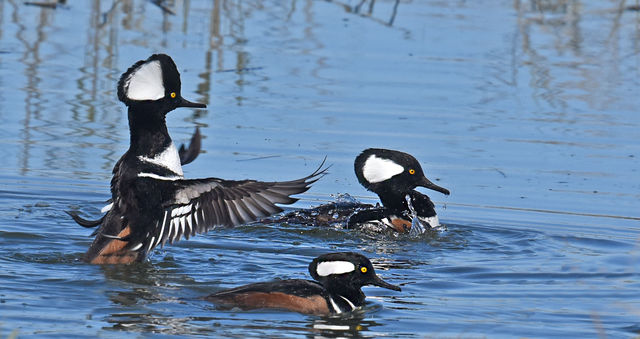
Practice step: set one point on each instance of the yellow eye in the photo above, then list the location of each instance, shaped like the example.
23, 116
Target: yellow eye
363, 269
173, 95
412, 171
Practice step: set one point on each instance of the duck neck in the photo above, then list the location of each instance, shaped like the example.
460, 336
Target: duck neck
397, 202
394, 200
149, 134
345, 297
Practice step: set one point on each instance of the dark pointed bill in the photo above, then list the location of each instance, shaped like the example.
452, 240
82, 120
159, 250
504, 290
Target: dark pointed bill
377, 281
428, 184
186, 103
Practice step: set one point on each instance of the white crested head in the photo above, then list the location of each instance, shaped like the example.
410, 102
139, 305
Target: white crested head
145, 83
377, 169
326, 268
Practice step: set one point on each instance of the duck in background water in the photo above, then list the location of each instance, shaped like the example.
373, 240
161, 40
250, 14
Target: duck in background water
152, 202
393, 176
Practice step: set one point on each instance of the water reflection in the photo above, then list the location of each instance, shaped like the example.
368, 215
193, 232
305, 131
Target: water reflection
112, 34
144, 273
352, 325
111, 28
552, 35
209, 321
31, 59
365, 8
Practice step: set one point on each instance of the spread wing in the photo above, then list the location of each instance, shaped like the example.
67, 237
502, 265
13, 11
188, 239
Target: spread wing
202, 204
189, 207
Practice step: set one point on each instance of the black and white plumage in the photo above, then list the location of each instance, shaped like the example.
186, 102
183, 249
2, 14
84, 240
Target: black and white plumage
187, 155
152, 203
337, 289
393, 176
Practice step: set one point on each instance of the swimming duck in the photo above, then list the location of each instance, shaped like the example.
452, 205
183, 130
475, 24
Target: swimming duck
339, 278
393, 176
152, 202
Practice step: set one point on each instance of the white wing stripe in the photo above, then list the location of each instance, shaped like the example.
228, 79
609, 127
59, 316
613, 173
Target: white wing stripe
153, 239
182, 224
353, 307
202, 215
189, 223
162, 225
159, 177
176, 227
195, 216
170, 230
335, 306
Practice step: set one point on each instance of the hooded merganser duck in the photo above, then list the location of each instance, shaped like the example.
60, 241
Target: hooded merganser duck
152, 203
337, 289
393, 176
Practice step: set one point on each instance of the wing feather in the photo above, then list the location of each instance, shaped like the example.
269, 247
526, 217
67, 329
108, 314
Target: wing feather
202, 204
199, 205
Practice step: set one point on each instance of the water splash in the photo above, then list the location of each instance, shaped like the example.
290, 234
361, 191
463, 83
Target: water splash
346, 199
417, 227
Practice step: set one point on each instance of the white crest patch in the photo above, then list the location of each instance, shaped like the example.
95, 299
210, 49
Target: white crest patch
169, 159
334, 267
378, 169
145, 83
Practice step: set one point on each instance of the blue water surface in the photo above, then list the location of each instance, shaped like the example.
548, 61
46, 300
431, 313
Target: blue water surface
527, 111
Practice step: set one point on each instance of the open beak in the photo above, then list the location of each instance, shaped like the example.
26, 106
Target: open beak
377, 281
186, 103
428, 184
